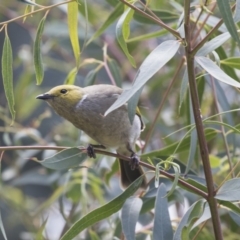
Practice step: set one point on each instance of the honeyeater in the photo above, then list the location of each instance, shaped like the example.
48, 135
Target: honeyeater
85, 109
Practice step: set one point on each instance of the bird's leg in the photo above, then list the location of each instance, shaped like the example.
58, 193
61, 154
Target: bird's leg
90, 150
134, 162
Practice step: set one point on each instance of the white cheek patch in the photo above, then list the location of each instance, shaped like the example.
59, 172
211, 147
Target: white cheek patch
81, 101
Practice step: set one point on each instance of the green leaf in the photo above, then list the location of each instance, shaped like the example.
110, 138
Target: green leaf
90, 77
228, 70
231, 206
7, 75
235, 130
102, 212
226, 12
210, 67
71, 77
215, 161
65, 159
37, 52
233, 62
229, 191
209, 134
122, 32
194, 181
236, 17
114, 169
213, 44
164, 15
177, 173
162, 228
190, 217
153, 62
205, 216
40, 231
183, 89
129, 216
110, 20
132, 105
193, 141
73, 30
148, 36
115, 70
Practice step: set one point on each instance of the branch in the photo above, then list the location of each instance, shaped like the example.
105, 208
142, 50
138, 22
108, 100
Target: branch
36, 11
181, 182
199, 126
158, 21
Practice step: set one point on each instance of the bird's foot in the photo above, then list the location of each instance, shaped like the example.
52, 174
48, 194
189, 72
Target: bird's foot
134, 162
90, 151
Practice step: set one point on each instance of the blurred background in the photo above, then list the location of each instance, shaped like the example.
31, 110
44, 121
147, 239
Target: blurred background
34, 199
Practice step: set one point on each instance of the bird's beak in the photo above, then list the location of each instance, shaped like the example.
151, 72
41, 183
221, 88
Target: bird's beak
45, 96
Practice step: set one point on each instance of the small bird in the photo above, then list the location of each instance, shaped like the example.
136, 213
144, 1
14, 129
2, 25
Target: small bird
85, 109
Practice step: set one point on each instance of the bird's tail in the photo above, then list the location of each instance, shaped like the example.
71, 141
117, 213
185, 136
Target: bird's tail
128, 175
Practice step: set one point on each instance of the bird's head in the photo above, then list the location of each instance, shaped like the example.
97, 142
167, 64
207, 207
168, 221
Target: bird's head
66, 96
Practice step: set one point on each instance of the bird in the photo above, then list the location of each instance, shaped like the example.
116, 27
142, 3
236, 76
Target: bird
85, 108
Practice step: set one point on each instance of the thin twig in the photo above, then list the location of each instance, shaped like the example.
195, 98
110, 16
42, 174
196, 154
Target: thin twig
149, 134
181, 181
222, 129
106, 65
36, 11
158, 21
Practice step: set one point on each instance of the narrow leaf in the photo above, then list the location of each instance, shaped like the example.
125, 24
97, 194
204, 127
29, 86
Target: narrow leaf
153, 62
235, 217
37, 52
205, 216
215, 71
90, 77
102, 212
148, 36
183, 89
226, 12
40, 232
162, 228
231, 206
7, 74
115, 70
236, 17
229, 191
73, 29
129, 216
65, 159
233, 62
132, 105
193, 141
110, 20
71, 77
192, 214
213, 44
210, 133
122, 31
177, 173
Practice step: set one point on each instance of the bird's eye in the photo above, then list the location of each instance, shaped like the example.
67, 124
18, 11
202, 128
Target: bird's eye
63, 91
